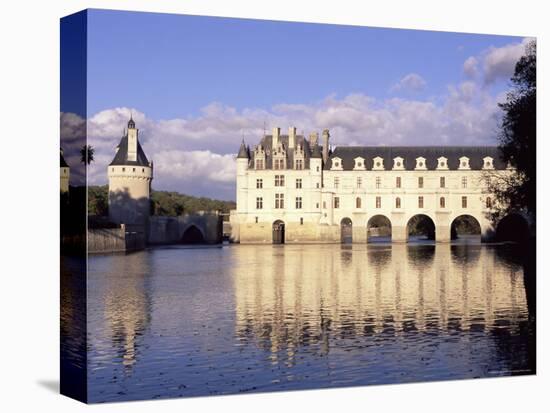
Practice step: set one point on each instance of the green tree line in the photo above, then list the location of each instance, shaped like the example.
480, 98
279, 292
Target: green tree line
165, 203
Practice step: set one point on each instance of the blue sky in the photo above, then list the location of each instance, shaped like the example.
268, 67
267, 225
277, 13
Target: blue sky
198, 85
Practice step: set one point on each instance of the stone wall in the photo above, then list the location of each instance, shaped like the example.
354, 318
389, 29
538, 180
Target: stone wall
171, 230
121, 239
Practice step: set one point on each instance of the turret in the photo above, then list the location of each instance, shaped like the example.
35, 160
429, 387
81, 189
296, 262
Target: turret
132, 140
326, 136
65, 173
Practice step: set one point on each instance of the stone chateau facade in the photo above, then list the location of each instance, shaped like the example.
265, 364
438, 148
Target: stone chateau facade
296, 189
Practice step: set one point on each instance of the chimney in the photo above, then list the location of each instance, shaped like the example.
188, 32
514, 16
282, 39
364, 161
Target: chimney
291, 137
313, 139
276, 134
326, 135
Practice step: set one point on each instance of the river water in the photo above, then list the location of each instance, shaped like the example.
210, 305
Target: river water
177, 321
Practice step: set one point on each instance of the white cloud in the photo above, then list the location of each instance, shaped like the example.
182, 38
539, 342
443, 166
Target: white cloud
412, 82
470, 67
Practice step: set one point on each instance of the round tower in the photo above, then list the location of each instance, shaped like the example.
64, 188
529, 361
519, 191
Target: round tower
130, 175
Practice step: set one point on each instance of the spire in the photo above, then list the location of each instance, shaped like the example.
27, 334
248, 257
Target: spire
243, 153
131, 123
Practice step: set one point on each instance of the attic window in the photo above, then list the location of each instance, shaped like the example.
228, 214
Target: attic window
464, 163
378, 164
488, 163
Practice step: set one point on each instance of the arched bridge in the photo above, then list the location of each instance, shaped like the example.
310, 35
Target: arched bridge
199, 228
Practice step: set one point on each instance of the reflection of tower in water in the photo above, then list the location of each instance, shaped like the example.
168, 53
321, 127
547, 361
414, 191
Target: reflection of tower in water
294, 296
128, 305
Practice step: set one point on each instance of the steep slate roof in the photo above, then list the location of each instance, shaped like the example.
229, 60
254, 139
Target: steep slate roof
243, 151
63, 164
121, 157
267, 143
410, 153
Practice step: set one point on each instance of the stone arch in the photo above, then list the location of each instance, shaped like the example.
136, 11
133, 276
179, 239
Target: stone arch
278, 232
379, 228
420, 227
513, 227
193, 235
465, 227
346, 231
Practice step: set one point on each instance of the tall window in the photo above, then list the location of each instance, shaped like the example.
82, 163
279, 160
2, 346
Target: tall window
279, 164
259, 203
442, 202
259, 183
357, 202
299, 164
420, 202
464, 182
359, 182
398, 202
378, 182
398, 182
259, 164
421, 182
336, 202
279, 180
299, 183
301, 221
488, 202
298, 202
279, 201
464, 202
336, 182
378, 202
256, 219
442, 182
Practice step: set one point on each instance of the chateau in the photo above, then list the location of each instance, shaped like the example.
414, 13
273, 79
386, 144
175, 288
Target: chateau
294, 189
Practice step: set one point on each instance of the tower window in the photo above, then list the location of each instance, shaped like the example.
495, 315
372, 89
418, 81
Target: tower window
398, 202
398, 182
142, 169
133, 169
378, 202
123, 169
420, 202
357, 202
421, 182
442, 202
336, 202
464, 202
298, 202
442, 182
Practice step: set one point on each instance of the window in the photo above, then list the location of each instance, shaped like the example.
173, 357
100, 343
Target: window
442, 182
259, 164
298, 202
378, 182
378, 202
421, 182
259, 183
123, 169
464, 202
299, 183
279, 201
317, 184
488, 202
301, 221
142, 169
259, 203
442, 202
336, 202
324, 204
112, 169
299, 164
336, 182
279, 164
420, 202
359, 182
256, 220
398, 202
279, 180
317, 205
317, 169
133, 169
398, 182
357, 202
464, 182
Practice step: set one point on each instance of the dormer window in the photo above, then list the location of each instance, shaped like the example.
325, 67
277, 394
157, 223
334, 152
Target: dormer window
420, 163
488, 163
336, 164
378, 164
359, 163
442, 163
464, 163
398, 163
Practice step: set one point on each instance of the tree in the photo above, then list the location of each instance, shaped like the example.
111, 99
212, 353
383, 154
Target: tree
517, 141
87, 154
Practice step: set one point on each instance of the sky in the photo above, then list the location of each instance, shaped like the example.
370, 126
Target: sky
197, 86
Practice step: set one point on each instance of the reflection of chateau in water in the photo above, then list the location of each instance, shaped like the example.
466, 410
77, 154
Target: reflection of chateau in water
126, 308
302, 297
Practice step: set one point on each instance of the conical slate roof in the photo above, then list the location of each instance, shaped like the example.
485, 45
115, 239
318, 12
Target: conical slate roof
121, 157
316, 152
243, 152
